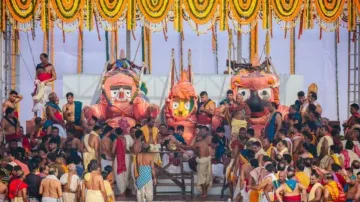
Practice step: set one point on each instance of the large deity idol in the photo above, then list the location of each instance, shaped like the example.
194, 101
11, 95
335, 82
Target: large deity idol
122, 97
258, 86
180, 106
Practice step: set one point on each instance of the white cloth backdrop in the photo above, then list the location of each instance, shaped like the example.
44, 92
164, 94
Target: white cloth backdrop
314, 59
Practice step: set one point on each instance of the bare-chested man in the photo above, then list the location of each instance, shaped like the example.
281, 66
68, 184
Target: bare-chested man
203, 168
351, 184
146, 178
244, 178
91, 146
72, 112
232, 168
267, 185
9, 126
50, 187
240, 112
106, 148
94, 184
316, 191
11, 102
297, 191
71, 142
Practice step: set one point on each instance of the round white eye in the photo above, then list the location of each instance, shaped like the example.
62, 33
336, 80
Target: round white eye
187, 105
127, 93
114, 93
175, 105
265, 94
244, 92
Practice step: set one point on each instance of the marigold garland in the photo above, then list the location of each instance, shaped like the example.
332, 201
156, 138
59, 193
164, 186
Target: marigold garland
292, 51
254, 42
287, 10
69, 10
178, 15
351, 15
154, 11
201, 11
329, 11
245, 11
110, 10
224, 10
130, 16
22, 10
308, 20
80, 52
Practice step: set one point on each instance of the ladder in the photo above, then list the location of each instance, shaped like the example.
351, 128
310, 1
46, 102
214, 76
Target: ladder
353, 68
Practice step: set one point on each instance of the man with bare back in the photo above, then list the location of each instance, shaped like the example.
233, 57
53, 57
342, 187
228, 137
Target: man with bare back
291, 189
266, 185
146, 178
106, 148
50, 187
94, 185
91, 146
9, 126
11, 102
204, 170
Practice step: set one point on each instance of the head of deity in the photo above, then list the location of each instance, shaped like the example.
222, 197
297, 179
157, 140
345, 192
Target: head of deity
182, 98
354, 108
70, 97
301, 97
180, 129
12, 96
44, 58
256, 87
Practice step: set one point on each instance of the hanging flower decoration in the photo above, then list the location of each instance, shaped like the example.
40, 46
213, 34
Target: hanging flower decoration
245, 11
357, 5
154, 11
110, 10
329, 11
22, 10
201, 11
287, 10
68, 10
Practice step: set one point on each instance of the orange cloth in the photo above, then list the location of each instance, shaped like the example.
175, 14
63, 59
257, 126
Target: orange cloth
254, 196
23, 166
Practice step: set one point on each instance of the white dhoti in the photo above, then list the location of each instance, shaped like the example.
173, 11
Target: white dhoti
2, 197
49, 199
17, 199
204, 173
69, 197
41, 97
145, 193
93, 196
105, 163
264, 199
122, 179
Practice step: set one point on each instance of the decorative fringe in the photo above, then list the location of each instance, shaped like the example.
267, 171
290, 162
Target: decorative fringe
216, 50
266, 14
351, 15
149, 49
253, 42
116, 43
80, 52
2, 16
320, 33
181, 52
45, 43
338, 35
178, 16
267, 44
89, 15
213, 40
97, 27
112, 47
143, 44
45, 16
224, 10
301, 24
292, 51
308, 15
130, 18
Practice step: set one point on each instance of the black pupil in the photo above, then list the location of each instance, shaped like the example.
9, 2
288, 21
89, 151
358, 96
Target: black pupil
243, 93
264, 93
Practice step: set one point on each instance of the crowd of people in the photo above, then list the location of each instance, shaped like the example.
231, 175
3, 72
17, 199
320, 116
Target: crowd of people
298, 156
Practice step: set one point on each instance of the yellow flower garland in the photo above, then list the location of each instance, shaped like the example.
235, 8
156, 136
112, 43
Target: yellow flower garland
201, 11
21, 11
329, 10
154, 11
110, 10
287, 10
69, 10
245, 11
